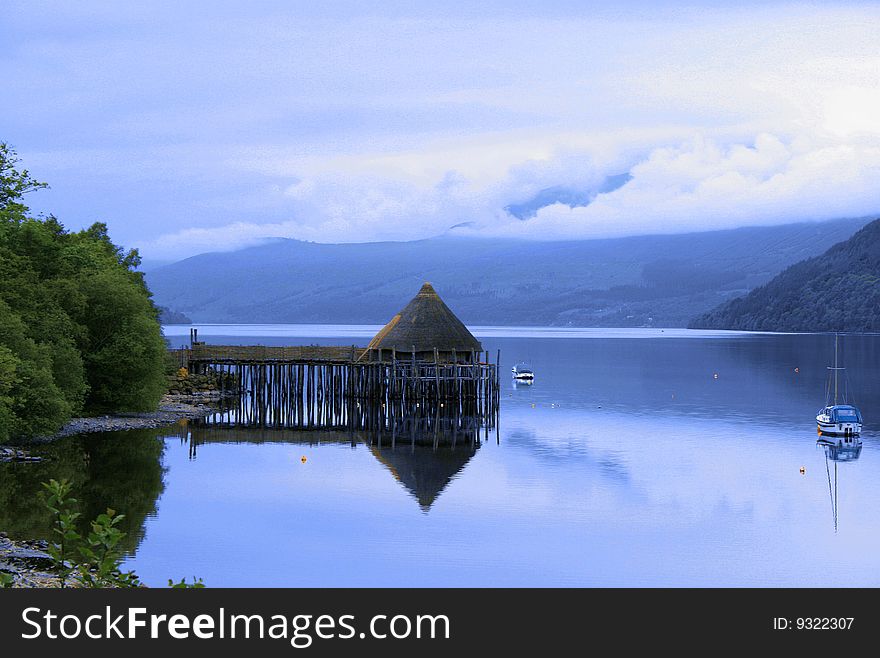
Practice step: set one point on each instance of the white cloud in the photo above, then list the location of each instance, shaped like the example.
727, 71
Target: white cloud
702, 183
693, 185
193, 131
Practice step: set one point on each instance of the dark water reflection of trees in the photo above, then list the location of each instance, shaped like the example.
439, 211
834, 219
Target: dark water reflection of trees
122, 470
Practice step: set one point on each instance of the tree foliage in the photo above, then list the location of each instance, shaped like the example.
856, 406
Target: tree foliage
78, 329
837, 291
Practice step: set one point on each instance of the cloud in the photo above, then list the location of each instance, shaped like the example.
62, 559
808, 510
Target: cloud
703, 184
189, 131
691, 185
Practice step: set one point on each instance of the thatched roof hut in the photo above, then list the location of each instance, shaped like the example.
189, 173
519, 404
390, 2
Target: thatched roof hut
426, 324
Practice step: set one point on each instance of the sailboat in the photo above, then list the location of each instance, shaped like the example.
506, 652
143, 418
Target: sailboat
838, 419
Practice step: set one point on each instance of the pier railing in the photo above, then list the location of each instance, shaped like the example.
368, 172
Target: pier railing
211, 354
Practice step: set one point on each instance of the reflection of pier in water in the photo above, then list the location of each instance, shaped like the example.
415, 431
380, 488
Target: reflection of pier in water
422, 452
391, 421
842, 449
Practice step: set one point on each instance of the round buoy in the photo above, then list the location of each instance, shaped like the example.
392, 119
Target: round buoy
303, 459
797, 369
803, 470
533, 405
716, 375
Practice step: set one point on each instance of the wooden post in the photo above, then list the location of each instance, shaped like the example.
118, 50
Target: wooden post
498, 382
437, 372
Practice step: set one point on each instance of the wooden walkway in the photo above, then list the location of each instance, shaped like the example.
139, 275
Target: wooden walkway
202, 353
313, 386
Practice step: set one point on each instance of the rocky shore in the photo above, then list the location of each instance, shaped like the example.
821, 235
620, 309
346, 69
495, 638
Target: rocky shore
16, 454
27, 562
172, 408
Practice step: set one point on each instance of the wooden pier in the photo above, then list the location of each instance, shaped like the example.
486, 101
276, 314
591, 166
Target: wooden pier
326, 387
423, 364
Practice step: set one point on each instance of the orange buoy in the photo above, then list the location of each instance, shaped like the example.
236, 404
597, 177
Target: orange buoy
303, 459
803, 470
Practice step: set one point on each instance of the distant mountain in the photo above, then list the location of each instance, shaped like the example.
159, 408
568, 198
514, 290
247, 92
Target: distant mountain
660, 280
167, 316
569, 196
836, 291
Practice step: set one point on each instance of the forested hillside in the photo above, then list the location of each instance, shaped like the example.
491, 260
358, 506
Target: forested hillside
659, 280
836, 291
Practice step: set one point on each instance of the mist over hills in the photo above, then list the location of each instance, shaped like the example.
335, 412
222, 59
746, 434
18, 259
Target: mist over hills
659, 280
836, 291
569, 196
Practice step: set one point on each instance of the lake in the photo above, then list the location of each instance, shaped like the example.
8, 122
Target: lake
639, 457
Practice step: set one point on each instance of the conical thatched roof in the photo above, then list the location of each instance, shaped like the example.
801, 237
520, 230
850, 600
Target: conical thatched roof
425, 323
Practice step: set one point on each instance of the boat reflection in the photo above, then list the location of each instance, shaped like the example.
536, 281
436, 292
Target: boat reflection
838, 449
841, 449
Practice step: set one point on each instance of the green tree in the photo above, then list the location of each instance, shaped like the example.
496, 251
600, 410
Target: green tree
124, 351
8, 369
77, 322
36, 405
14, 184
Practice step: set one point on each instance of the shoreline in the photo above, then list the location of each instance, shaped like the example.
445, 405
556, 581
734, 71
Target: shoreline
172, 408
28, 563
27, 560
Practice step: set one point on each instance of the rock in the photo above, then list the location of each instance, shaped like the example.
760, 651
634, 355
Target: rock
27, 557
22, 554
17, 455
171, 409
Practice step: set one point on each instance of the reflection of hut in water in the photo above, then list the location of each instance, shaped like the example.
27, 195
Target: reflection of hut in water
422, 470
425, 463
427, 328
424, 453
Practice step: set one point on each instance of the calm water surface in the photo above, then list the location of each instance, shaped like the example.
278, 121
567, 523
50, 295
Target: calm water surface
638, 457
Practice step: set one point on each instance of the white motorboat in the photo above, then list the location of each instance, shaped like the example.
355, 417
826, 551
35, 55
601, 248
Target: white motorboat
523, 372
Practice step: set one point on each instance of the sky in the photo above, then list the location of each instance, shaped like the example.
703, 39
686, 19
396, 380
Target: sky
193, 126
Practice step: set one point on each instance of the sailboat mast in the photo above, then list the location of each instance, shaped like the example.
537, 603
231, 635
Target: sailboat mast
835, 368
